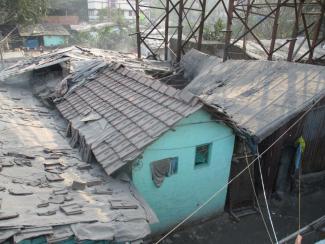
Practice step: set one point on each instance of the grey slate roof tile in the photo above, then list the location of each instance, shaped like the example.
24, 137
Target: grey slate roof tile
137, 111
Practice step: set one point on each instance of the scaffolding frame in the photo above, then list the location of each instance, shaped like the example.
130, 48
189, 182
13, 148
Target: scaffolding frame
242, 11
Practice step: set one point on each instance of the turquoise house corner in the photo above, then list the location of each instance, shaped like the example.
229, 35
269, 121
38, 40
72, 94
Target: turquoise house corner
193, 183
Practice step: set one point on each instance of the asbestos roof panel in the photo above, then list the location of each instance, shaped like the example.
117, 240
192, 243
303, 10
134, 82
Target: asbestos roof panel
43, 30
134, 118
256, 96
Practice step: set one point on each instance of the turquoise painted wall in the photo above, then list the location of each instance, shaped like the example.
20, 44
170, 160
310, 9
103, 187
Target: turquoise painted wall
191, 186
51, 41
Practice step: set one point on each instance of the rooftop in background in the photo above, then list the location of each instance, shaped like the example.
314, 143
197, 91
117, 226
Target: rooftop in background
120, 112
43, 30
74, 55
255, 97
255, 51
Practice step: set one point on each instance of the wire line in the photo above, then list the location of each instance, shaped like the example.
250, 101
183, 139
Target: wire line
256, 197
264, 194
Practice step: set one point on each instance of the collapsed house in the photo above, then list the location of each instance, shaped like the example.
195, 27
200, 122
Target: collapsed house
178, 147
131, 123
161, 137
261, 100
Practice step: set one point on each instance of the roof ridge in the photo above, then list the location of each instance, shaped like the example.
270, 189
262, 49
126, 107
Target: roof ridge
180, 95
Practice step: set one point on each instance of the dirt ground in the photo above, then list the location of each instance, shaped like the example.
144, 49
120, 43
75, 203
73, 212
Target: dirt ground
251, 230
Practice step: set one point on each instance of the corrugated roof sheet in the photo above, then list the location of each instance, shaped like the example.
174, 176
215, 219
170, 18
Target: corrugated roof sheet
256, 96
43, 30
125, 112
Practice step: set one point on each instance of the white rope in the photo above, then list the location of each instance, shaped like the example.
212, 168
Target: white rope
267, 205
256, 197
235, 177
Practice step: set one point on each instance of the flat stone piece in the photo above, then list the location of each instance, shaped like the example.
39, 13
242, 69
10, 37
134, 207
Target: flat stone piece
120, 204
53, 177
7, 215
94, 182
47, 213
58, 199
78, 185
84, 166
20, 191
71, 209
68, 198
23, 162
60, 192
43, 204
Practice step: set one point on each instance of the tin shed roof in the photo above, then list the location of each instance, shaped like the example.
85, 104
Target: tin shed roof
43, 30
256, 97
120, 112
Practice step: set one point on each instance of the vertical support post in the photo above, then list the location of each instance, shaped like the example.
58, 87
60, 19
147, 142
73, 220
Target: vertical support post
295, 31
1, 57
246, 22
180, 31
203, 5
137, 26
316, 34
274, 30
228, 30
166, 29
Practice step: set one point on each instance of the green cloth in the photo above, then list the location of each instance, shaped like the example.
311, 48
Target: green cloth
301, 141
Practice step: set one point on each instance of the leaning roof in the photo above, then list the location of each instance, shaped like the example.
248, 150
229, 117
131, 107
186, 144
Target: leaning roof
120, 112
256, 97
43, 30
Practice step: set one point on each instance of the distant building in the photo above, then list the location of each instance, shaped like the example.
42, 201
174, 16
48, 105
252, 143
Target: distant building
35, 36
95, 6
66, 12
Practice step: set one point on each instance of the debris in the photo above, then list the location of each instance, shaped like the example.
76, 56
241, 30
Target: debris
68, 198
20, 191
94, 182
91, 117
60, 233
102, 191
43, 204
2, 188
60, 192
53, 177
6, 215
71, 209
54, 170
78, 185
53, 156
19, 155
51, 164
57, 199
47, 213
23, 162
34, 183
17, 181
120, 204
84, 166
29, 233
5, 162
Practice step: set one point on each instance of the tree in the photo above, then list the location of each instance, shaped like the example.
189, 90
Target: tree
213, 33
22, 11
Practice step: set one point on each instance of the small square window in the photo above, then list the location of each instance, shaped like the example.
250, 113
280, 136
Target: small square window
202, 154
